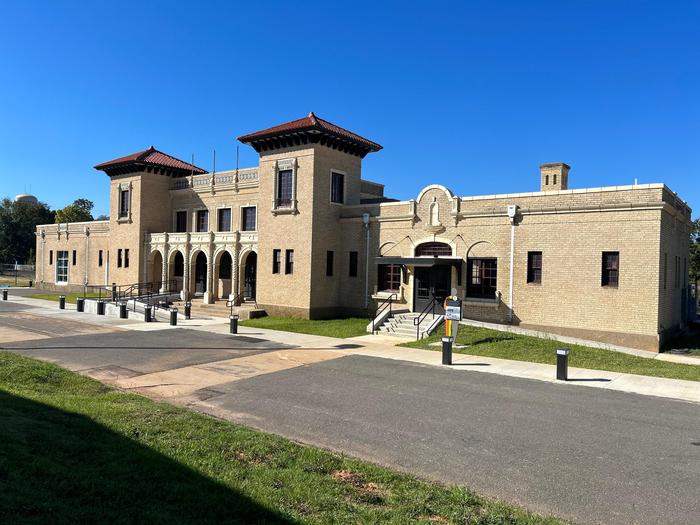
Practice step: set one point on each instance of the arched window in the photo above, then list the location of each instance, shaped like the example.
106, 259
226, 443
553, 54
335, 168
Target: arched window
433, 249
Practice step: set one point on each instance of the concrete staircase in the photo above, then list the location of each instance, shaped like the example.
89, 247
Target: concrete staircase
247, 310
402, 325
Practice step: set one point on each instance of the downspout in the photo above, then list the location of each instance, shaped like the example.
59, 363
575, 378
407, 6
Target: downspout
512, 211
365, 222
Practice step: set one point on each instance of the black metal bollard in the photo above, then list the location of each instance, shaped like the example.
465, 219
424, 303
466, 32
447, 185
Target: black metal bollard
147, 314
31, 283
173, 317
114, 292
100, 307
4, 295
446, 350
233, 323
61, 302
188, 309
80, 304
122, 311
563, 364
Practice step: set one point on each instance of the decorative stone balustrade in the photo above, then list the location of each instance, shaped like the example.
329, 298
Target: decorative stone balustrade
224, 180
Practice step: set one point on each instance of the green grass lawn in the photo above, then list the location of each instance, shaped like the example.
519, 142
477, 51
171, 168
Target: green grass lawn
73, 450
6, 280
493, 343
70, 297
348, 327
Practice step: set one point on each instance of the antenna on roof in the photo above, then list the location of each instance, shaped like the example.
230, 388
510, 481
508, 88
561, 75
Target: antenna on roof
192, 168
214, 172
237, 148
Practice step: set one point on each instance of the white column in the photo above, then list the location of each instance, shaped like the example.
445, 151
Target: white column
209, 291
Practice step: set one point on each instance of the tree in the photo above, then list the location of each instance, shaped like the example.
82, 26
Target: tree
102, 217
694, 262
18, 221
79, 211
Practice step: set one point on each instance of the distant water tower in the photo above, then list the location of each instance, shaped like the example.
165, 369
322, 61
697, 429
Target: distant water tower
26, 197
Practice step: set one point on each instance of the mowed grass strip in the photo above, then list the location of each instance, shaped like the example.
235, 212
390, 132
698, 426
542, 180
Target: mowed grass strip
70, 297
505, 345
73, 450
343, 328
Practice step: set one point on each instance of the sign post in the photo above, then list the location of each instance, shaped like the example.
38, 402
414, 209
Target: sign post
453, 314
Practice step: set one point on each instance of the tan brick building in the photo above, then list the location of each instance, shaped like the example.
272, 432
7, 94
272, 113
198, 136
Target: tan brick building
305, 235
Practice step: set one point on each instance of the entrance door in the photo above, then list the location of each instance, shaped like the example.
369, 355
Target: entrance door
251, 268
200, 273
431, 282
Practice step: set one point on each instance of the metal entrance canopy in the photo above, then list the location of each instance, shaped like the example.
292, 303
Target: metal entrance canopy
425, 262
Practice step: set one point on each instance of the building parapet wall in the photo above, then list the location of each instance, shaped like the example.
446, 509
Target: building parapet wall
244, 178
75, 228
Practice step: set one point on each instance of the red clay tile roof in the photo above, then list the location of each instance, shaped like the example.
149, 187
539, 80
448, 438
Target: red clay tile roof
150, 157
314, 124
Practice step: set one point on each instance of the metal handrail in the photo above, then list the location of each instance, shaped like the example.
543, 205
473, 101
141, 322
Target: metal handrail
418, 320
382, 307
99, 289
119, 293
238, 301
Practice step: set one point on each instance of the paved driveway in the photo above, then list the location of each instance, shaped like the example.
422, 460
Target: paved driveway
589, 455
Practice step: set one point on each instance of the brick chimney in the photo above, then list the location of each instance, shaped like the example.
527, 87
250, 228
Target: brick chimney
554, 176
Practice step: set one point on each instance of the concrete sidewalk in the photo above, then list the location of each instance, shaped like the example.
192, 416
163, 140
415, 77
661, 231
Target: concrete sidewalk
375, 346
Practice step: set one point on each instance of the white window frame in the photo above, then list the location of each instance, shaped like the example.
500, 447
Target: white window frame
230, 219
240, 217
58, 252
282, 165
330, 187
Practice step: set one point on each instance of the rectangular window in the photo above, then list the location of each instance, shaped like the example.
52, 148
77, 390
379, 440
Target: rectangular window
329, 263
181, 221
225, 220
481, 278
75, 257
202, 220
555, 178
284, 189
248, 218
123, 203
389, 278
611, 269
352, 264
119, 258
99, 258
276, 260
50, 257
61, 266
337, 187
289, 261
126, 258
534, 267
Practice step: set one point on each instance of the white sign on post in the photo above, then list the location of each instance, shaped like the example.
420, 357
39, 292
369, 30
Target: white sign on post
453, 313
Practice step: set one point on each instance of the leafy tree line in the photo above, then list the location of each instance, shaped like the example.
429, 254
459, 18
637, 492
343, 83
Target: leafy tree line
18, 221
694, 262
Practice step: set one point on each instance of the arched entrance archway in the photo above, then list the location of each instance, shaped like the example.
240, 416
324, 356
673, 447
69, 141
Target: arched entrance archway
199, 282
225, 274
177, 270
156, 269
250, 270
434, 279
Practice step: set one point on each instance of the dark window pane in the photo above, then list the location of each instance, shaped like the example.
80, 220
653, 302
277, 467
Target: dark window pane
611, 269
337, 187
124, 203
289, 261
481, 278
248, 218
433, 249
352, 264
534, 267
389, 277
181, 221
202, 220
284, 188
276, 255
225, 220
329, 263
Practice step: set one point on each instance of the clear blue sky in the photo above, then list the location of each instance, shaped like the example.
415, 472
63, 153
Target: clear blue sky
472, 95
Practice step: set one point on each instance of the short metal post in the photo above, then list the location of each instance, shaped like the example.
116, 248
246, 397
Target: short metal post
100, 307
114, 292
446, 350
173, 317
233, 324
563, 364
31, 283
61, 302
4, 295
188, 310
122, 311
80, 304
147, 314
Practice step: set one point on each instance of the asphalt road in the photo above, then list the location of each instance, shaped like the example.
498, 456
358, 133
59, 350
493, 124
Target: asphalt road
589, 455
